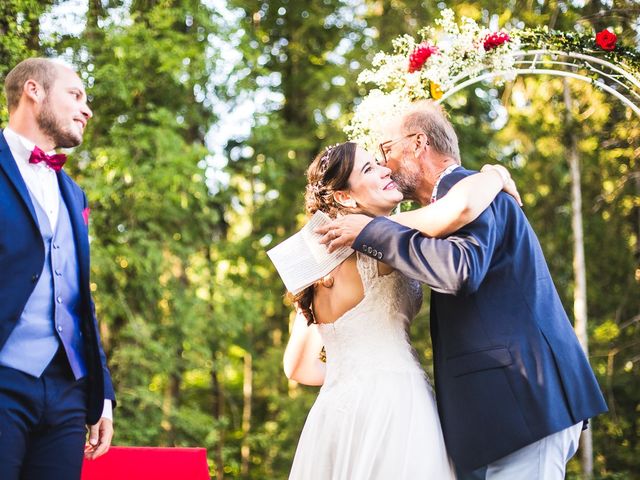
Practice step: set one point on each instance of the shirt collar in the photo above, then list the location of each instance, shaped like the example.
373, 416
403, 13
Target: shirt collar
21, 147
447, 171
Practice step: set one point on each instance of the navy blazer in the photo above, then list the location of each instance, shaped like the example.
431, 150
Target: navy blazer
22, 257
509, 369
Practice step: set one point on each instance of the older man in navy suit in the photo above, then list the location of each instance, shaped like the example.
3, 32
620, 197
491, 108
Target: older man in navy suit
53, 374
513, 385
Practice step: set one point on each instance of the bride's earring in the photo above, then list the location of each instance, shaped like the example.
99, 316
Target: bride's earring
327, 281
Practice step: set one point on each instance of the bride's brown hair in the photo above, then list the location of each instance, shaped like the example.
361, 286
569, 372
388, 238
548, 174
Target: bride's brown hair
328, 173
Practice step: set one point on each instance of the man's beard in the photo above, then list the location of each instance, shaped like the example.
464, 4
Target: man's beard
407, 183
50, 126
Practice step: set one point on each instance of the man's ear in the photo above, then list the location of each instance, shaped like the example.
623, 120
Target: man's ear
33, 90
344, 198
420, 143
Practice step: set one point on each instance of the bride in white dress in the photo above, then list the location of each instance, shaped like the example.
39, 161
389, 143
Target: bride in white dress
375, 416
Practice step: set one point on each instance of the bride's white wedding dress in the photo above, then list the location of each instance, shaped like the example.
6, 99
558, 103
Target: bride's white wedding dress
375, 416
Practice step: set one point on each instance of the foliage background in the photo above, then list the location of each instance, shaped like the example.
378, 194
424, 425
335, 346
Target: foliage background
187, 194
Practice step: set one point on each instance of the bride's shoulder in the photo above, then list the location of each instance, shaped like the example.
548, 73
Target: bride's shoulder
338, 292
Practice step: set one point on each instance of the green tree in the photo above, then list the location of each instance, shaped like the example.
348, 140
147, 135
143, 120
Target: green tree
154, 222
19, 37
191, 310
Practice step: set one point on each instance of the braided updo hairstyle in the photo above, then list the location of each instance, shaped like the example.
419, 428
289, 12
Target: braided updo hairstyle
328, 173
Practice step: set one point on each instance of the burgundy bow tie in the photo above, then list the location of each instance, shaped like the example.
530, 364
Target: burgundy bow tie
55, 162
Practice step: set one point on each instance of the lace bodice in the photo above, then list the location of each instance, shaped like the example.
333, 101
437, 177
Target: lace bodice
373, 335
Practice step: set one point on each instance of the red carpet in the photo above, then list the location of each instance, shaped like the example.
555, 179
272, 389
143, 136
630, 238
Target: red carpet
142, 463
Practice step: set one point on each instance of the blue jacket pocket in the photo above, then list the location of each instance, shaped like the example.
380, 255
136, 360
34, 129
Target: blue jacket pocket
496, 357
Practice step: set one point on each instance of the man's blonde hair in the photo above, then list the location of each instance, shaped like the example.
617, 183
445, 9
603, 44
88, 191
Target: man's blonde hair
430, 118
39, 69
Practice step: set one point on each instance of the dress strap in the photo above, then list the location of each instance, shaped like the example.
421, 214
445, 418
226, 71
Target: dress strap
367, 268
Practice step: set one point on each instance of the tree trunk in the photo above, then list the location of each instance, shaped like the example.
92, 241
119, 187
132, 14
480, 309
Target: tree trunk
95, 12
218, 413
247, 391
579, 270
169, 403
217, 382
637, 185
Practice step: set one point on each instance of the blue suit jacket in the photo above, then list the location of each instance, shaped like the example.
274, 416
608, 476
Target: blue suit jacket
22, 258
508, 366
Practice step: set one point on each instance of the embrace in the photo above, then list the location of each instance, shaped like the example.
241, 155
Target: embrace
514, 389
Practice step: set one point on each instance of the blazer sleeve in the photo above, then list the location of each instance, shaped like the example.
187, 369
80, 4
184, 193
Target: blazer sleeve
453, 265
109, 392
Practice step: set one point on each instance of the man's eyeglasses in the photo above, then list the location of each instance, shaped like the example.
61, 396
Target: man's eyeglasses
386, 146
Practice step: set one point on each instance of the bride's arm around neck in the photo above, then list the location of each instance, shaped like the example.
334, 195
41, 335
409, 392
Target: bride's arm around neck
466, 200
301, 359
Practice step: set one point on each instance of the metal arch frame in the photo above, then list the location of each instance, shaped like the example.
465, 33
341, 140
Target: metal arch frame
625, 86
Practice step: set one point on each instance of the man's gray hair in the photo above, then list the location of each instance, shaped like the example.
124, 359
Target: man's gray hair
430, 118
42, 70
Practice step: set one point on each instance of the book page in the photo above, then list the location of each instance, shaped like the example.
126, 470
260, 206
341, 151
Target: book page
301, 260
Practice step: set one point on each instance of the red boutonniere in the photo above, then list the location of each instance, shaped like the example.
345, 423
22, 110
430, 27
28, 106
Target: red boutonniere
85, 215
494, 40
420, 55
606, 39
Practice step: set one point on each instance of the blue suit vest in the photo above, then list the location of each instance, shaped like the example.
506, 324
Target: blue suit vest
51, 315
22, 262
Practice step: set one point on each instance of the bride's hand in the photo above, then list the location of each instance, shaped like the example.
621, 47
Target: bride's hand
508, 185
342, 231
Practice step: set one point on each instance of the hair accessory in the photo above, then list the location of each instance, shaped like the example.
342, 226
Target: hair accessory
324, 160
316, 188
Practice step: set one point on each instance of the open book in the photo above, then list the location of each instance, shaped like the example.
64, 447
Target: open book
301, 260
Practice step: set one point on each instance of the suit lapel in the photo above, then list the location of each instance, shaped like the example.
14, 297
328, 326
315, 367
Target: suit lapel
80, 235
8, 164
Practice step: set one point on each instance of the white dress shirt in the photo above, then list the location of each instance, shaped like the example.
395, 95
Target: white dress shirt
42, 182
447, 171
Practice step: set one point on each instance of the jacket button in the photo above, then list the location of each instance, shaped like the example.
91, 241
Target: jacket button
374, 252
369, 249
34, 277
364, 247
379, 255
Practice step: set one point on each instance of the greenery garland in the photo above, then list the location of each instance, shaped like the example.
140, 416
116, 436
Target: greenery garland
542, 38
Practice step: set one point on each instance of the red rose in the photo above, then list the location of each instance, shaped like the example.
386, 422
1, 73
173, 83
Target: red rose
494, 40
420, 55
606, 40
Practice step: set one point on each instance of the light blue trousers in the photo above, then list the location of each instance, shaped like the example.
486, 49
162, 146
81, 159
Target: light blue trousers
545, 459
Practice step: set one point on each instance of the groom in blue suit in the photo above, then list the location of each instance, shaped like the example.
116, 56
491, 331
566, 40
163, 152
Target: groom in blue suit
513, 385
53, 374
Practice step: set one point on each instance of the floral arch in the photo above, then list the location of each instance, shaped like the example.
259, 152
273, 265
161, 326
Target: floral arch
452, 57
